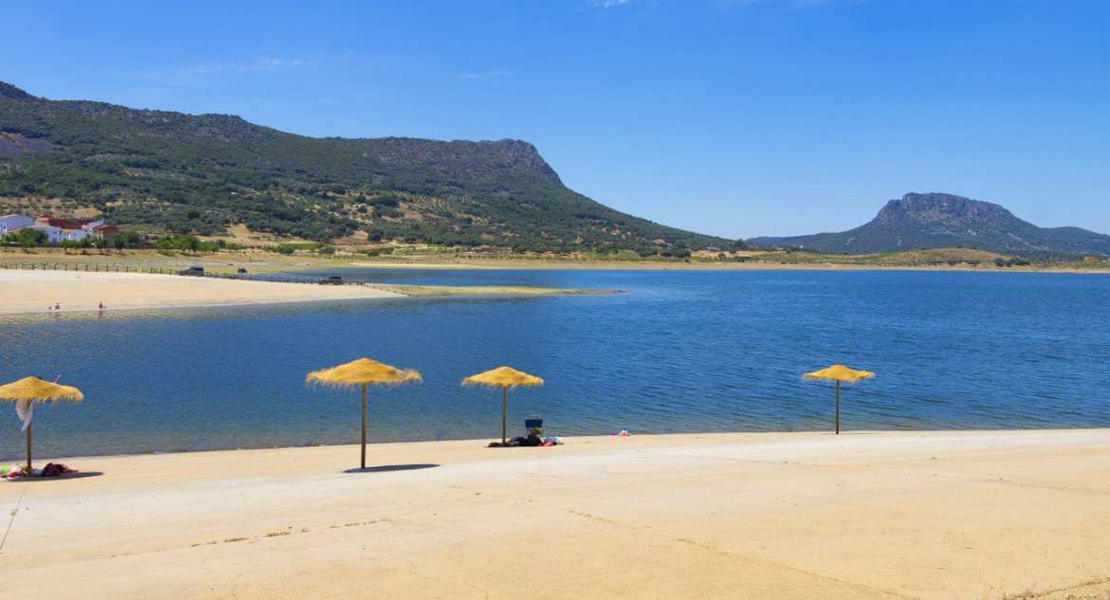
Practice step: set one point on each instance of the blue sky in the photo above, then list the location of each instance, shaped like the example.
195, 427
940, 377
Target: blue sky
731, 117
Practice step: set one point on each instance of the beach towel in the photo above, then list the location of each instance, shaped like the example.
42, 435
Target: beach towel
56, 469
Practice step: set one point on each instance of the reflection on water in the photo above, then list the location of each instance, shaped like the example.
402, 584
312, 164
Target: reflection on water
681, 351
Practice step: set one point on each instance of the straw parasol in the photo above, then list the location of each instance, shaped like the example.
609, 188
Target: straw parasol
504, 378
839, 374
362, 372
32, 390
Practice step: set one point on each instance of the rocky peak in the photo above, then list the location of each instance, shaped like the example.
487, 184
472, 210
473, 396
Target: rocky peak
938, 207
524, 156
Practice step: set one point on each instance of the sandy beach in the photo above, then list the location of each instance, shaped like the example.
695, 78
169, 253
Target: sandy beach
933, 515
32, 291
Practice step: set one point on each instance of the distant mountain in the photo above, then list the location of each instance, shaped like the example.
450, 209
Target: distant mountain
176, 172
919, 221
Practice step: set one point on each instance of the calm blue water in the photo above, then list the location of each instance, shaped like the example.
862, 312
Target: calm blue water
677, 352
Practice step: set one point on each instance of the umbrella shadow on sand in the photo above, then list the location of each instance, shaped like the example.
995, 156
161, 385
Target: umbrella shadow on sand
389, 468
62, 477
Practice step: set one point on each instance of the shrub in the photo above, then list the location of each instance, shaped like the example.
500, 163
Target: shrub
25, 238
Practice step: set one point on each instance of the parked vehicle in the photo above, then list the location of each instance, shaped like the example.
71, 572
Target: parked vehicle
192, 272
332, 280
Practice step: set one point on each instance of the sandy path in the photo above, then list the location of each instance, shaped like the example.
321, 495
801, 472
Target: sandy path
794, 515
33, 291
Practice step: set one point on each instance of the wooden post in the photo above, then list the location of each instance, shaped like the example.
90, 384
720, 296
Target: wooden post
504, 411
28, 474
838, 408
363, 463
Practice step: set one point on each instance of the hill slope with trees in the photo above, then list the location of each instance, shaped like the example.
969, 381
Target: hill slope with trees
173, 172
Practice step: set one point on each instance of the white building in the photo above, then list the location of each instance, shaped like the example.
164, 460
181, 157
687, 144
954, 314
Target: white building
53, 234
75, 235
61, 230
56, 230
10, 223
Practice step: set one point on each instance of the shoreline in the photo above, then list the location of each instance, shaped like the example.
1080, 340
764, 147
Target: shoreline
259, 262
539, 265
481, 443
130, 310
863, 516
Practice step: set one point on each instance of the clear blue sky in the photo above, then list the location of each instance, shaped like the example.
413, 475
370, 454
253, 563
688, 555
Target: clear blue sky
731, 117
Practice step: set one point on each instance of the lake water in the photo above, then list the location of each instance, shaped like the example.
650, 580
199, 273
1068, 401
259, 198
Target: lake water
676, 352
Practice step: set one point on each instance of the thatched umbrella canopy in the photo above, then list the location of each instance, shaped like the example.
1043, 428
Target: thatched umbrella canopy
30, 391
504, 378
839, 374
362, 372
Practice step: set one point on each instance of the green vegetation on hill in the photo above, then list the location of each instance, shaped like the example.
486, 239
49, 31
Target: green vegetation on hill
177, 173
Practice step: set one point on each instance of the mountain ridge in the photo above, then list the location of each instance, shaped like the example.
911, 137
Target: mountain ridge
940, 220
176, 172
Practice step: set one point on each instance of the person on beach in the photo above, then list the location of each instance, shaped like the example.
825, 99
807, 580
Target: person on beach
101, 306
58, 306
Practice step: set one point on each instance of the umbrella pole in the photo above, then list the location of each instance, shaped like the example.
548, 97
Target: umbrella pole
504, 411
363, 459
838, 408
28, 450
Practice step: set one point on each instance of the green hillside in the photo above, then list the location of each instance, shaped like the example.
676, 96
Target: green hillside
173, 172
